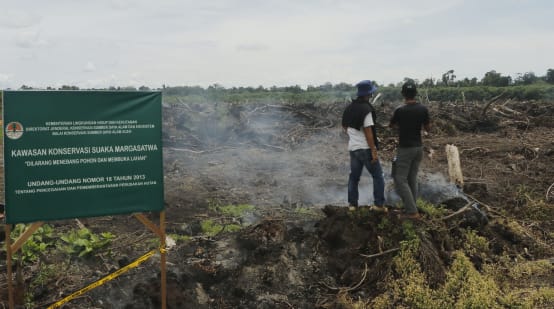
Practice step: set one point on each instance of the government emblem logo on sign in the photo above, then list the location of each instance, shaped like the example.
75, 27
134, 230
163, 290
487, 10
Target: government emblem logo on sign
14, 130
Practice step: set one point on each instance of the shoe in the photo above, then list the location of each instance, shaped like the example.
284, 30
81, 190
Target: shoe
409, 216
381, 208
352, 207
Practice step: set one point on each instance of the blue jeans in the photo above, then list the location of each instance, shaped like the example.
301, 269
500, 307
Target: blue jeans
358, 159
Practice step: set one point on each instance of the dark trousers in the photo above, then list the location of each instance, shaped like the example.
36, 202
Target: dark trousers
405, 175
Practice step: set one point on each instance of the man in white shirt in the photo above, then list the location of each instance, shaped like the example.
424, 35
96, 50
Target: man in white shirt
358, 120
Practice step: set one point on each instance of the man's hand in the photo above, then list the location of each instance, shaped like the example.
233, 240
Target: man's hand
374, 156
371, 143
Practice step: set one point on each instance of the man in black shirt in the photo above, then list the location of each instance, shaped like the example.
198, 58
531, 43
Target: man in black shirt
409, 119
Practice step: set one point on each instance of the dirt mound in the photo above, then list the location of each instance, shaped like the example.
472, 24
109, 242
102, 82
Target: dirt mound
276, 264
328, 263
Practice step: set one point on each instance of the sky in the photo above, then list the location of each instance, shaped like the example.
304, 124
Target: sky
242, 43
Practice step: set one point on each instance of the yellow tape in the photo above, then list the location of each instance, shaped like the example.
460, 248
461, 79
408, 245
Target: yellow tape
109, 277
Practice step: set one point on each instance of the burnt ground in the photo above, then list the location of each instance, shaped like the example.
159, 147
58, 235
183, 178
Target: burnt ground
296, 245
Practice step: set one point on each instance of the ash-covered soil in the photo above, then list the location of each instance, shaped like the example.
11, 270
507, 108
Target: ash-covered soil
285, 167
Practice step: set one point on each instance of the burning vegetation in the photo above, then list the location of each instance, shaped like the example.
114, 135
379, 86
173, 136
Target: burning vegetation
257, 216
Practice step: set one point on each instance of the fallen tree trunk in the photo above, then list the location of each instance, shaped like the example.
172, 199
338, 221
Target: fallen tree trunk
488, 104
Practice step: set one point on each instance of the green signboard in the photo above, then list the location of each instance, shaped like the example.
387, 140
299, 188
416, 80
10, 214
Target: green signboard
71, 154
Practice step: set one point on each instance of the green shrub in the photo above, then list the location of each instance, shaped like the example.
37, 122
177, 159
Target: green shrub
36, 244
407, 286
465, 287
431, 210
235, 210
211, 228
475, 244
83, 242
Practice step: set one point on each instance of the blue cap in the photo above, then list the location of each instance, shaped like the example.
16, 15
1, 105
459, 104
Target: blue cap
365, 88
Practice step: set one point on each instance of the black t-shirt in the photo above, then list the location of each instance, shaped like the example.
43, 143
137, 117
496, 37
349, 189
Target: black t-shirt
410, 118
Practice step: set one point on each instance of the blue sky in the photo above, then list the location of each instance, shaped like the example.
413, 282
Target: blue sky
250, 43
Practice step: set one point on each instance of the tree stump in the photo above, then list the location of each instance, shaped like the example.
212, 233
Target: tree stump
454, 166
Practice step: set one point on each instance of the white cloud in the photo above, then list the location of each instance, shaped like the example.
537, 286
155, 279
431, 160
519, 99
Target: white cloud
253, 47
90, 67
123, 4
4, 77
273, 42
29, 39
18, 19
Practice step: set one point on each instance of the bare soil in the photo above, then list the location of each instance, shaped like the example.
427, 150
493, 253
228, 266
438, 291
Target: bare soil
300, 247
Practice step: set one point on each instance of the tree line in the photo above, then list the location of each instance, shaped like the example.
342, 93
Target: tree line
526, 86
491, 78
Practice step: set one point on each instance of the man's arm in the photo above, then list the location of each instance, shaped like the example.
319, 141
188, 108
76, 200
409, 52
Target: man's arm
393, 123
427, 126
427, 122
368, 132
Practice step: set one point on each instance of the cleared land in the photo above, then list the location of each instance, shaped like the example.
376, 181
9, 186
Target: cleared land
255, 197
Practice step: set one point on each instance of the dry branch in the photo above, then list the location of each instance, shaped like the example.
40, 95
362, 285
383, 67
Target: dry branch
80, 224
376, 98
272, 146
486, 150
346, 289
459, 211
380, 254
484, 112
550, 192
490, 209
508, 110
185, 150
501, 112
